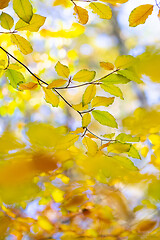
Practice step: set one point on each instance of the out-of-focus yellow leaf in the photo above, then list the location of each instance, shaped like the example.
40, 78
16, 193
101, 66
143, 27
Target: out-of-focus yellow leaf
50, 97
102, 101
102, 10
115, 1
23, 9
140, 14
91, 145
86, 119
146, 226
67, 141
88, 94
82, 14
4, 3
7, 21
62, 70
124, 61
57, 195
9, 142
23, 45
28, 86
118, 147
133, 152
42, 135
65, 3
44, 223
107, 65
113, 90
104, 118
110, 135
57, 83
33, 26
155, 139
84, 76
75, 31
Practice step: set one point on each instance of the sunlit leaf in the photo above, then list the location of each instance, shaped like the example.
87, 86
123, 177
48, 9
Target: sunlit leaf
140, 14
62, 70
84, 76
28, 86
57, 83
33, 26
23, 45
14, 77
51, 97
123, 137
104, 118
112, 89
7, 21
107, 65
23, 9
146, 226
124, 61
133, 152
91, 145
86, 119
88, 94
102, 10
130, 75
82, 14
118, 147
102, 101
4, 3
115, 79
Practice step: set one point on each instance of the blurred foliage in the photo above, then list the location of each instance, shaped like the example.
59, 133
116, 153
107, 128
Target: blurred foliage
73, 165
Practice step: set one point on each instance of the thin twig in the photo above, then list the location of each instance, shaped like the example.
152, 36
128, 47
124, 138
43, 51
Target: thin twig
55, 89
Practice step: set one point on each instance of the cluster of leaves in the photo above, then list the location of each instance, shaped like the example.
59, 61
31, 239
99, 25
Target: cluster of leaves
76, 175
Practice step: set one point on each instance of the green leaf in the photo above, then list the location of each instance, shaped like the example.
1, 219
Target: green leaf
125, 162
113, 90
14, 77
33, 26
104, 118
115, 79
7, 21
123, 137
130, 75
133, 153
23, 9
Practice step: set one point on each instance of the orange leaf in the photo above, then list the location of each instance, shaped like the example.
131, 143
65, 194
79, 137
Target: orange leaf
28, 86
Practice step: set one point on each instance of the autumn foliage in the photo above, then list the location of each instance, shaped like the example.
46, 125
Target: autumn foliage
95, 176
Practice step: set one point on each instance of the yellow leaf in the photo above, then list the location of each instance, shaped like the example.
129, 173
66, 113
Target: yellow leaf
57, 195
86, 119
107, 65
57, 83
4, 3
65, 3
44, 223
84, 75
6, 21
33, 26
115, 1
140, 14
82, 14
80, 107
118, 147
23, 9
102, 101
62, 70
23, 45
88, 94
146, 225
102, 10
67, 141
28, 86
91, 145
50, 97
124, 61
